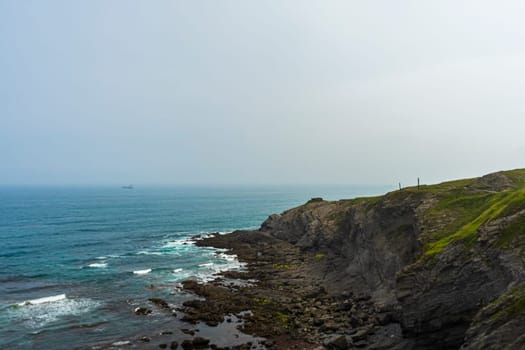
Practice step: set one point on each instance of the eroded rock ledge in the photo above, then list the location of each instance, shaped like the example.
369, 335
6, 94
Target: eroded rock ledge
440, 267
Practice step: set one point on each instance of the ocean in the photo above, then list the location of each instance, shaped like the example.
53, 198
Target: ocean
76, 261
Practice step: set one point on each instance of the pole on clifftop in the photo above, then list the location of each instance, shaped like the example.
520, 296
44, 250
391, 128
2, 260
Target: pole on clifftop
400, 186
418, 183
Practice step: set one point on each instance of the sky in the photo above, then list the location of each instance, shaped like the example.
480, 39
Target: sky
260, 92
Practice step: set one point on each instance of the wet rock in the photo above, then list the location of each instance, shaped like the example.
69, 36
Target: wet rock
188, 331
200, 342
187, 344
160, 303
142, 311
163, 346
174, 345
145, 339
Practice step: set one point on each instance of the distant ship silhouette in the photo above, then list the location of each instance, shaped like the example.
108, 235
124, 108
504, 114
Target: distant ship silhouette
128, 187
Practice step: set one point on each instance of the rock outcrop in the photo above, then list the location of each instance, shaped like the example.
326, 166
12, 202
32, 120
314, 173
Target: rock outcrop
439, 267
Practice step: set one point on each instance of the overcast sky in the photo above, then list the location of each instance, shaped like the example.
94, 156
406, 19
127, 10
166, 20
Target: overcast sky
260, 92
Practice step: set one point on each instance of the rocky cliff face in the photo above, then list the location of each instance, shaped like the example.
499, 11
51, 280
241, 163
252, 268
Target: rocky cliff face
446, 261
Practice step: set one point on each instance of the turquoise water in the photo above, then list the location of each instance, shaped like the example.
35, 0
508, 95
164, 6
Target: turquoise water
96, 253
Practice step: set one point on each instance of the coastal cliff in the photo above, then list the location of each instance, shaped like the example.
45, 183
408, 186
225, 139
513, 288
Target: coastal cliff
439, 267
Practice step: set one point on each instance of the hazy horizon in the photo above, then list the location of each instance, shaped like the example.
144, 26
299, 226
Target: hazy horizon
259, 93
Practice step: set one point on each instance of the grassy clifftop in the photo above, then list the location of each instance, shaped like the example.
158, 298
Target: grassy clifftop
464, 206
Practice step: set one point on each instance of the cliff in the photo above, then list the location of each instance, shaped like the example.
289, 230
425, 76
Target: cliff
440, 267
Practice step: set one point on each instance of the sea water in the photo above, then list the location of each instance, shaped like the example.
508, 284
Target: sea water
76, 261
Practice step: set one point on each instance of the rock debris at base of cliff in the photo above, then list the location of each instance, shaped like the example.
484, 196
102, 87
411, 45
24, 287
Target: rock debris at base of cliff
439, 267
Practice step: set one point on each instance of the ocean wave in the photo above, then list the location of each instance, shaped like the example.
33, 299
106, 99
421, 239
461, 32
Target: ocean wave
91, 229
142, 272
121, 343
101, 265
16, 253
227, 257
87, 244
209, 271
43, 300
36, 313
208, 264
145, 252
178, 270
178, 243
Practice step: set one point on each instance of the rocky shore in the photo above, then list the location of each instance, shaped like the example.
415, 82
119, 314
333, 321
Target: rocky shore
434, 267
290, 305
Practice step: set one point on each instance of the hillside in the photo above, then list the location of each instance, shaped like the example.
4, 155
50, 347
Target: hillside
439, 267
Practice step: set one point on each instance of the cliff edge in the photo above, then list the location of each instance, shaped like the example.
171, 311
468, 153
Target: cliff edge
435, 267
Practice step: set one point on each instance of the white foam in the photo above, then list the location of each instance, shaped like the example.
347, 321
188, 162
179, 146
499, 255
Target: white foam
178, 243
39, 312
122, 342
177, 270
101, 257
204, 277
142, 272
227, 257
145, 252
43, 300
209, 264
98, 265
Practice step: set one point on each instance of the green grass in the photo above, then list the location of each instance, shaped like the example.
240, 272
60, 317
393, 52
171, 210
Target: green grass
444, 187
513, 231
515, 307
497, 204
515, 300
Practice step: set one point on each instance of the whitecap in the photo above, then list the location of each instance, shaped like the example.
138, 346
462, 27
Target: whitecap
145, 252
36, 313
142, 272
43, 300
98, 265
178, 270
227, 257
121, 343
178, 243
209, 264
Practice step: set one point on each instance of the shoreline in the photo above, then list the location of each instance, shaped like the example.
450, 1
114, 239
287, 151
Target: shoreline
369, 273
291, 305
264, 306
281, 300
